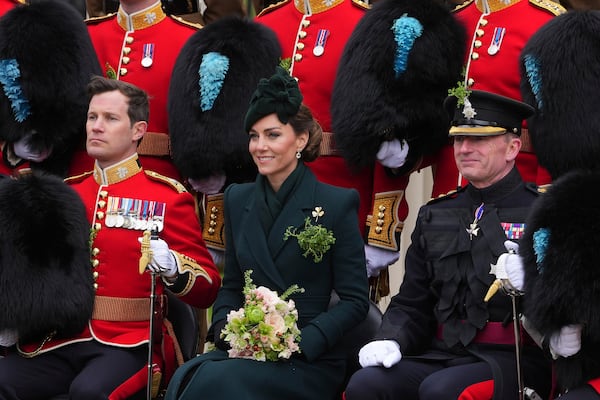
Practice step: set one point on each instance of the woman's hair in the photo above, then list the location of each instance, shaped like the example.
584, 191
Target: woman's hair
303, 121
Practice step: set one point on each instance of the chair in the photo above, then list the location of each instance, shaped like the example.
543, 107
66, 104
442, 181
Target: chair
185, 325
357, 337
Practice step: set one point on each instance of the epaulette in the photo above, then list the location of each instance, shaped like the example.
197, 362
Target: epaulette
362, 4
450, 195
77, 178
174, 183
551, 6
463, 5
185, 22
541, 188
272, 7
20, 1
95, 20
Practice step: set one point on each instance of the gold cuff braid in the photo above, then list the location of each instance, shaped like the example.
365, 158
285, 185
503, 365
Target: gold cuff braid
384, 226
187, 264
213, 229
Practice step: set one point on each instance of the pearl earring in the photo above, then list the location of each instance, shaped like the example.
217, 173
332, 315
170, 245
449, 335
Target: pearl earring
298, 154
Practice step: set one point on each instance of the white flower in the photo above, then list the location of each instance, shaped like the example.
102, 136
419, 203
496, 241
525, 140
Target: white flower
318, 212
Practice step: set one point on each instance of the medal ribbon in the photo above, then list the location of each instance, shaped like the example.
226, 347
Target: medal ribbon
321, 38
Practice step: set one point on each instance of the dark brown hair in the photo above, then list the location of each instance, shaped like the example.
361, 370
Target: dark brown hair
304, 121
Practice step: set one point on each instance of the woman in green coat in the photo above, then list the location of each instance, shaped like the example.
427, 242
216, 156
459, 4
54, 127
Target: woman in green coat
286, 197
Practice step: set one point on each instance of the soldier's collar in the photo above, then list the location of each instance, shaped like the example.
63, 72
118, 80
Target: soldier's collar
141, 19
118, 172
315, 6
494, 5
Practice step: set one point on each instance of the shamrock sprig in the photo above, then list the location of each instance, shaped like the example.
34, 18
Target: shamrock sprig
314, 240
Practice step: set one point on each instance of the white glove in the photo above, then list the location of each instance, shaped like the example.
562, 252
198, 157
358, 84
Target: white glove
380, 352
8, 337
392, 153
567, 342
514, 266
22, 148
163, 262
378, 259
209, 185
218, 256
510, 266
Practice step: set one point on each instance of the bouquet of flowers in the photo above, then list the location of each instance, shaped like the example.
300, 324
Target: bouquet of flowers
266, 327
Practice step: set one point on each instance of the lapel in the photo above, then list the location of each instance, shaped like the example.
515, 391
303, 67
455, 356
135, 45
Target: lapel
293, 213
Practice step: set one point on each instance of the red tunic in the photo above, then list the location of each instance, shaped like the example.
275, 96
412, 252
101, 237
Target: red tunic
497, 73
116, 251
121, 42
7, 5
298, 34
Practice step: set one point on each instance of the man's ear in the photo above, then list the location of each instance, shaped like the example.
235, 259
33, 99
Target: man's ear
139, 128
513, 148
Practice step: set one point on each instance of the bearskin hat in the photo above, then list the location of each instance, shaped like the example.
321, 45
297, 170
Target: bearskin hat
214, 77
560, 70
46, 61
394, 75
560, 250
46, 282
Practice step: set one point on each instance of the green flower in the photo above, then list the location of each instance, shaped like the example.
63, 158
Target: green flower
314, 240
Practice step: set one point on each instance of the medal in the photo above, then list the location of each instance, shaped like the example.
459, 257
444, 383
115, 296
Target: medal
120, 220
126, 213
496, 41
110, 217
148, 55
473, 229
159, 217
319, 48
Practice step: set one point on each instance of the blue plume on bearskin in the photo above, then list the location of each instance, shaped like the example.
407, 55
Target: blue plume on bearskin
394, 75
560, 71
206, 113
49, 43
46, 282
560, 250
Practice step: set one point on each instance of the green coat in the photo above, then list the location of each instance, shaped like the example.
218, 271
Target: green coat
318, 372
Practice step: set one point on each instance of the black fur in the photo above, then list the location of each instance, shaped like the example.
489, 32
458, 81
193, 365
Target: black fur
46, 281
565, 130
370, 105
214, 141
56, 58
566, 289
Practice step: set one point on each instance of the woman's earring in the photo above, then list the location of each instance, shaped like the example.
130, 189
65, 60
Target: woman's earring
298, 154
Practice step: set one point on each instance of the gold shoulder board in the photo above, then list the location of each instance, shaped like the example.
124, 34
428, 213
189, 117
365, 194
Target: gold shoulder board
95, 20
548, 5
174, 183
273, 7
77, 178
185, 22
463, 5
362, 4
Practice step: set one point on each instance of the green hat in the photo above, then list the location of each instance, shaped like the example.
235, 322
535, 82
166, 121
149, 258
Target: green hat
279, 94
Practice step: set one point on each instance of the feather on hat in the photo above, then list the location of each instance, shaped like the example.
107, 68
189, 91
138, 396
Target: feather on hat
214, 77
394, 75
46, 61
